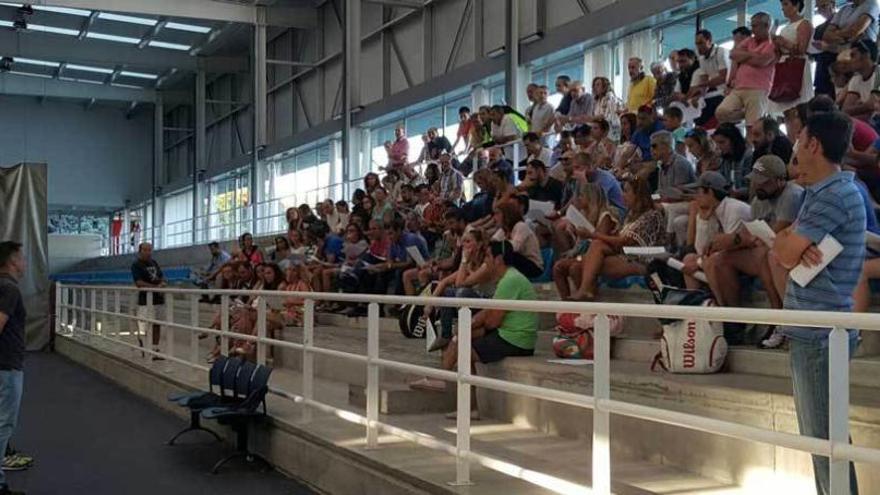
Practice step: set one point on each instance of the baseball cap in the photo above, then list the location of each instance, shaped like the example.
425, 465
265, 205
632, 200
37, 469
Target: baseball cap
712, 180
768, 167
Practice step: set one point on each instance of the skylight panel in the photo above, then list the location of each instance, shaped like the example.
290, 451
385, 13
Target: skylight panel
6, 23
107, 16
89, 68
63, 10
129, 86
192, 28
172, 46
53, 29
139, 75
32, 74
31, 61
88, 81
113, 37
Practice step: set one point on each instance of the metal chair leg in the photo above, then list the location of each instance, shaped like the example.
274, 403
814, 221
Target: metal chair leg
196, 428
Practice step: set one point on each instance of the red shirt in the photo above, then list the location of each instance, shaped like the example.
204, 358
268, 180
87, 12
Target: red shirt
863, 135
464, 128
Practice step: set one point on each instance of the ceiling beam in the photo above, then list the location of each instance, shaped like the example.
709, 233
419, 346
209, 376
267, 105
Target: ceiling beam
59, 48
145, 41
409, 4
299, 17
87, 25
20, 85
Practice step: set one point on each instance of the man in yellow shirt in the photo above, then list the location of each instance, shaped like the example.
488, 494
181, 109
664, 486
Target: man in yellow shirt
641, 86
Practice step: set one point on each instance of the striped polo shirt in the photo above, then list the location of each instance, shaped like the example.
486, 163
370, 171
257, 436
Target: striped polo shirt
832, 206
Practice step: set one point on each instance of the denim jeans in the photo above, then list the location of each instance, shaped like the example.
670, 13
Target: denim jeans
448, 315
11, 382
809, 374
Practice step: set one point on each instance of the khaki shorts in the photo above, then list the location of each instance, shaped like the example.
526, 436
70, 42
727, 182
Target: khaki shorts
751, 104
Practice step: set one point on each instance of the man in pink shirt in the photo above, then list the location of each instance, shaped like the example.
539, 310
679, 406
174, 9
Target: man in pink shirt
397, 154
755, 58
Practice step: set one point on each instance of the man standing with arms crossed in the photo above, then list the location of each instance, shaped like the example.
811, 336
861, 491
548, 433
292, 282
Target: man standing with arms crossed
147, 273
12, 321
832, 206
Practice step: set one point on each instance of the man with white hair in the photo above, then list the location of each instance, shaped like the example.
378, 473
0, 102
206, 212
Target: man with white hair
665, 84
641, 86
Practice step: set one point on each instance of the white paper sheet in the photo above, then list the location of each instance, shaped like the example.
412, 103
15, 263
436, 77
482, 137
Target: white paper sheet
678, 265
415, 255
538, 211
571, 362
577, 219
430, 334
761, 230
830, 248
646, 252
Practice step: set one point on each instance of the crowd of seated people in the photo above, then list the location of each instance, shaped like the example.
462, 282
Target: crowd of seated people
701, 145
703, 148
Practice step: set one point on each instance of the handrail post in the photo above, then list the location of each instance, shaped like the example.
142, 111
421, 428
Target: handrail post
601, 418
372, 375
308, 363
105, 306
93, 313
169, 331
59, 307
80, 316
194, 321
65, 313
838, 408
149, 337
261, 331
117, 308
463, 402
224, 324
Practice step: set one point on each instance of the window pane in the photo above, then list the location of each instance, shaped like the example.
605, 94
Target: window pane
679, 35
722, 25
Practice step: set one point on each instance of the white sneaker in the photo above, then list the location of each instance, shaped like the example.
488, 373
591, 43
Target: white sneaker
775, 340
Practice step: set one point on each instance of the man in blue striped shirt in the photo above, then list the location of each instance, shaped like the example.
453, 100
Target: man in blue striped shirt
832, 206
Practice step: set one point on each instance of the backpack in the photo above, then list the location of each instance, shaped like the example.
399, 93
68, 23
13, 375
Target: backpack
691, 346
412, 321
574, 339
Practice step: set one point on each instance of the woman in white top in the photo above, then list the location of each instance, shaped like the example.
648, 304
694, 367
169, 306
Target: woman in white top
592, 202
526, 247
606, 105
792, 42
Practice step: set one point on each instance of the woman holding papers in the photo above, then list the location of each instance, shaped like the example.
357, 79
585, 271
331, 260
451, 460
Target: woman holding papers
589, 212
527, 249
643, 226
472, 279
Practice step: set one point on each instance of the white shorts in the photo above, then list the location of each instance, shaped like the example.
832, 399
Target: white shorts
149, 312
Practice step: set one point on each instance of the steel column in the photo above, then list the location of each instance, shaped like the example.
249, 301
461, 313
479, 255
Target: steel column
350, 79
158, 160
260, 90
201, 145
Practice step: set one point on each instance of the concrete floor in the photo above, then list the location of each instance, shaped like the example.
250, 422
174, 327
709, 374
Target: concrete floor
88, 435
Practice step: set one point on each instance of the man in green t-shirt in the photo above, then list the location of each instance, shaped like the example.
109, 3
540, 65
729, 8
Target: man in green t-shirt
497, 334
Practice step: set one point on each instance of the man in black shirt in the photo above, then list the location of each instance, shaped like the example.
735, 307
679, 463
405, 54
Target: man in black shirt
539, 186
768, 139
147, 273
12, 338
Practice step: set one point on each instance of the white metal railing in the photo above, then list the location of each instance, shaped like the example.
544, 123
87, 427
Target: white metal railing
78, 311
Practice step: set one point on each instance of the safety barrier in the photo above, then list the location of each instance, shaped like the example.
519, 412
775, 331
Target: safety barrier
78, 307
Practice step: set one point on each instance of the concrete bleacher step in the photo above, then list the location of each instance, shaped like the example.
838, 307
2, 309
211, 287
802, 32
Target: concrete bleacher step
401, 399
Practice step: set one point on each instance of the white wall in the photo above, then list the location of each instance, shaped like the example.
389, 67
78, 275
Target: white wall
96, 157
68, 250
